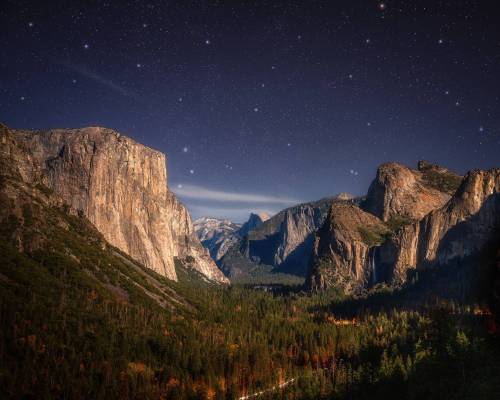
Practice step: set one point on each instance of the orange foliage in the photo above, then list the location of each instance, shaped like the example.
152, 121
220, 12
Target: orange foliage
138, 368
340, 322
173, 382
210, 393
31, 339
233, 348
222, 383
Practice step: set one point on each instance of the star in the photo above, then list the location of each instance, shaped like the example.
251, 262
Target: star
23, 98
256, 109
263, 85
191, 171
367, 41
299, 37
86, 46
139, 65
180, 99
30, 24
447, 92
207, 42
185, 149
350, 76
144, 25
481, 129
382, 6
73, 80
179, 185
368, 124
457, 103
440, 41
288, 144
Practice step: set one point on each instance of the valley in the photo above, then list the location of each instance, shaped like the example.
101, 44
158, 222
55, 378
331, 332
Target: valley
393, 295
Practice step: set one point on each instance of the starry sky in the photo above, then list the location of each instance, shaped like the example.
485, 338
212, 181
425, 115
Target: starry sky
262, 104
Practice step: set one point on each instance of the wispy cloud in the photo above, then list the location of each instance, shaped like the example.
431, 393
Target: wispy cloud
100, 79
202, 193
234, 214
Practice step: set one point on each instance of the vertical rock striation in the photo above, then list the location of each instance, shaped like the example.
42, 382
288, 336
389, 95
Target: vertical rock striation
399, 191
342, 255
456, 230
121, 187
428, 218
283, 242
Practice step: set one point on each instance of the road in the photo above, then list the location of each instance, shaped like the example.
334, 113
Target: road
268, 390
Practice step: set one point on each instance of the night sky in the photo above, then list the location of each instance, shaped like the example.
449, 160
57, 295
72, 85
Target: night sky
259, 105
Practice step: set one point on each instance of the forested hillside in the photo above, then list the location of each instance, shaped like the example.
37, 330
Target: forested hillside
79, 321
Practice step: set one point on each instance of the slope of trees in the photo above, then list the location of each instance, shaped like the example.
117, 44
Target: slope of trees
64, 336
78, 321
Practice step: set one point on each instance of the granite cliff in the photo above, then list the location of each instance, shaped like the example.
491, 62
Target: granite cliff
412, 219
456, 230
283, 243
119, 185
341, 251
399, 191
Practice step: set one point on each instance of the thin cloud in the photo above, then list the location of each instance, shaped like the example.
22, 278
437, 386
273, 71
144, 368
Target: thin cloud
100, 79
234, 214
202, 193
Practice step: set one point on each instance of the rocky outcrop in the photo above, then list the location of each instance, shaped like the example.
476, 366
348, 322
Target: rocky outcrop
121, 187
342, 254
421, 229
399, 191
456, 230
253, 222
283, 243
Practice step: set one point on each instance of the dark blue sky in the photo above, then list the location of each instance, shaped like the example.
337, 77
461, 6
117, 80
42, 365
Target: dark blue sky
261, 104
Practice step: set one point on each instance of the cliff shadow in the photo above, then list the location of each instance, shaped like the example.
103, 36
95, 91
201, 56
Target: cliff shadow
297, 261
466, 281
480, 227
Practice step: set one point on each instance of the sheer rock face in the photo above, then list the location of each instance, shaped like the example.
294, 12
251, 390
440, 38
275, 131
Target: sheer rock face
400, 191
458, 229
283, 242
440, 234
121, 187
341, 255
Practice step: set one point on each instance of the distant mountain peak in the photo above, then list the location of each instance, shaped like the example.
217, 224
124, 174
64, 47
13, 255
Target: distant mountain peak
255, 220
344, 196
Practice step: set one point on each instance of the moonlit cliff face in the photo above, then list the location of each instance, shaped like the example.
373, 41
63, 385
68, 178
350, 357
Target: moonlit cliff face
121, 187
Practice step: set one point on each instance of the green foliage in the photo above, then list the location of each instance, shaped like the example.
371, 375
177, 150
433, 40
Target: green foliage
79, 319
446, 182
396, 222
372, 235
